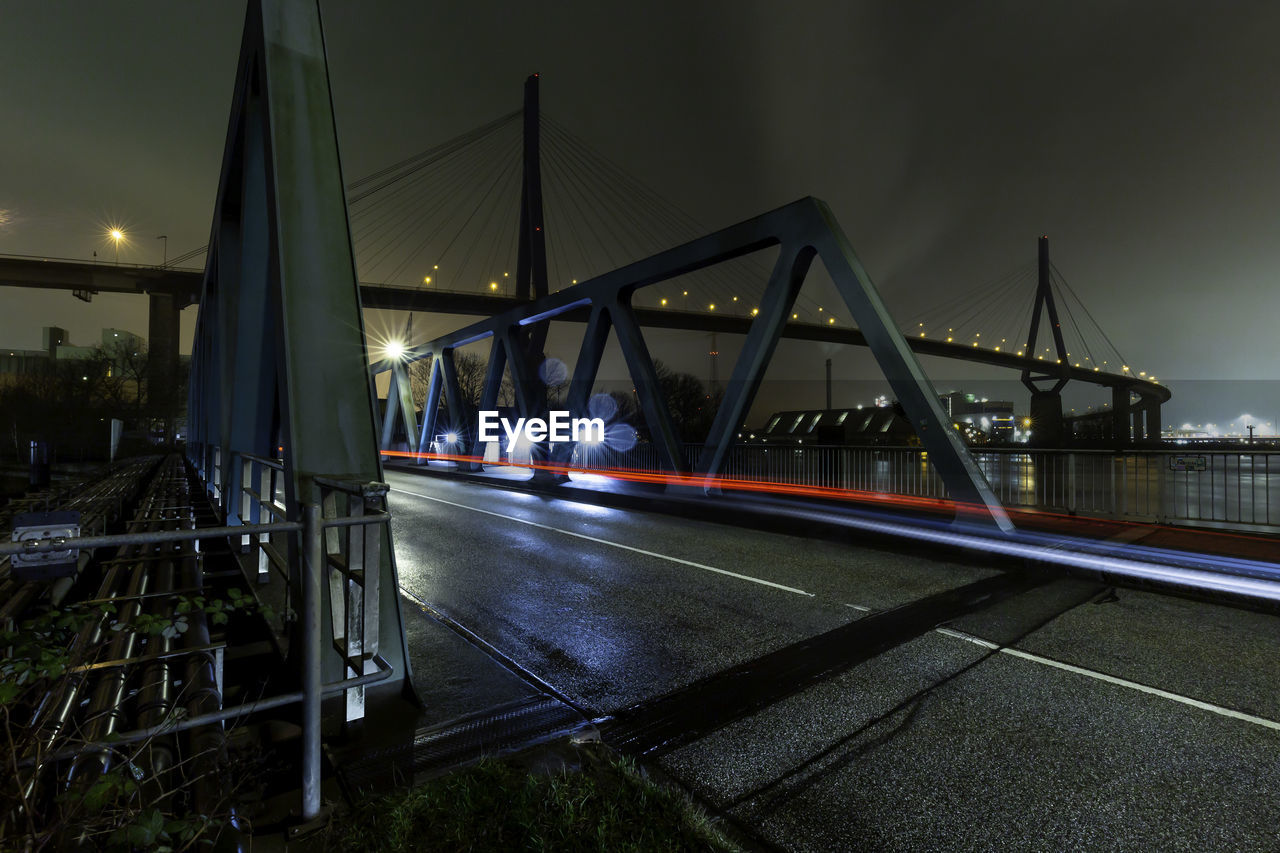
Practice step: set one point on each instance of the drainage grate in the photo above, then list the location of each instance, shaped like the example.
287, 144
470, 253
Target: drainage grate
434, 750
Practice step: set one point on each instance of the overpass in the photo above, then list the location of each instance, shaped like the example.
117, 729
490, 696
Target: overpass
170, 289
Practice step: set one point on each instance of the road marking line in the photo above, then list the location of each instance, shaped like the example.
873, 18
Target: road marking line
1111, 679
859, 607
702, 566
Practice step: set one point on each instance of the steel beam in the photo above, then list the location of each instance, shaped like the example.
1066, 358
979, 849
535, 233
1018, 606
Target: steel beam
748, 371
431, 408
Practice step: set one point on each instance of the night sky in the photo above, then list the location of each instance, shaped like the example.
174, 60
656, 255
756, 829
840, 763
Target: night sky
946, 137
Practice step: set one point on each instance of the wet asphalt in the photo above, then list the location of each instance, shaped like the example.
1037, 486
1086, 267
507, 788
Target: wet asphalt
938, 743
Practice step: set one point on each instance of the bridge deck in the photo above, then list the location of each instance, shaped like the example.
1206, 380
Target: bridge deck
1082, 735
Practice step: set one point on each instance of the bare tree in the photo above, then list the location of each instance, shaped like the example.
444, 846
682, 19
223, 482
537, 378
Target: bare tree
420, 377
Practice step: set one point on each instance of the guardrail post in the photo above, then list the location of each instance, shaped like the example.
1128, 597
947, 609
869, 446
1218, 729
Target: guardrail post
1071, 482
313, 578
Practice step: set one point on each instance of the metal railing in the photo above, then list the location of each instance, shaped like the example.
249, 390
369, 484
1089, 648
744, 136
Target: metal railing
346, 510
1230, 488
334, 547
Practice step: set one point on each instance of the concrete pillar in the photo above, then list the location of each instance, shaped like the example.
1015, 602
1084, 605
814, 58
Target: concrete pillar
162, 359
1152, 408
1120, 436
1136, 415
1046, 419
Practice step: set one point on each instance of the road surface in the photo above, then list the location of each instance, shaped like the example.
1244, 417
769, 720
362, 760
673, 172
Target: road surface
1041, 715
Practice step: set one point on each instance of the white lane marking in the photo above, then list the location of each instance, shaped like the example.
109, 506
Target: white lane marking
1111, 679
702, 566
859, 607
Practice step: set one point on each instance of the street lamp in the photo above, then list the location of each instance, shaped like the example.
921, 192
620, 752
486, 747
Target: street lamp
164, 263
117, 235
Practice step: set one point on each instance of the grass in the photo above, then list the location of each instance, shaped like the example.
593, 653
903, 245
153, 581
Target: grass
496, 805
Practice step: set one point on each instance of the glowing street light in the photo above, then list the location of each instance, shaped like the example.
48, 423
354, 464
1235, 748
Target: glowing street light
117, 235
394, 349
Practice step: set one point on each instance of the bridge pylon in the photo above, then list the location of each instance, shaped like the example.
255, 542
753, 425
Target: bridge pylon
1046, 403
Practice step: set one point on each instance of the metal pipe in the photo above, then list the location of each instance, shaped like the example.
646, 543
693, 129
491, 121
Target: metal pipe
330, 688
147, 538
312, 589
162, 536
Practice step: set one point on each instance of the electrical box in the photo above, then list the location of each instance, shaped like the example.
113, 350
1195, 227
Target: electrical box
45, 565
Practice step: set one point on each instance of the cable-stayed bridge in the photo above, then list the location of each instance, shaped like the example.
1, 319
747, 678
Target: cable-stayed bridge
443, 232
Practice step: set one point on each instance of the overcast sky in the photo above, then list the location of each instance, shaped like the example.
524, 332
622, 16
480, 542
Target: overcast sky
946, 137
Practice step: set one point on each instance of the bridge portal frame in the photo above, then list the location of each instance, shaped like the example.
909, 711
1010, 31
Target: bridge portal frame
280, 367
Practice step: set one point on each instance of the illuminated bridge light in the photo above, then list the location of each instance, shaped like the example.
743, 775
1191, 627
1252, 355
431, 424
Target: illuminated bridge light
664, 302
755, 311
